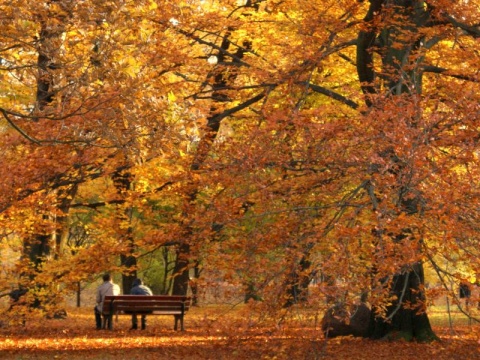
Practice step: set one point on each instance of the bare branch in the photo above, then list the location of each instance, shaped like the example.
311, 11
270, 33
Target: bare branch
334, 95
17, 128
446, 72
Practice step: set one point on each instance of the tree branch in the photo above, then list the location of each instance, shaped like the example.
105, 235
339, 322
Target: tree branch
334, 95
470, 30
365, 42
17, 128
446, 72
213, 125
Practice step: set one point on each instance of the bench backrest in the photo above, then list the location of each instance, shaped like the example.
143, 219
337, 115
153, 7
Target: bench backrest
146, 303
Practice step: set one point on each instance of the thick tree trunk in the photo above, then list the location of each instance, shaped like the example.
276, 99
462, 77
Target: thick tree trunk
401, 71
38, 245
406, 318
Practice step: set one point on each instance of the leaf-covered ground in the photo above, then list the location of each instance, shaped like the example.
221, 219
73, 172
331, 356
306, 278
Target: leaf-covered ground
212, 333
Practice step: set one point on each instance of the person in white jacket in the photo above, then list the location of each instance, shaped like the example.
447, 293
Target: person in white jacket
107, 288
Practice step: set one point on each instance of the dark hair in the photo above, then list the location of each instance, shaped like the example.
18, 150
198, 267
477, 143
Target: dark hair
107, 277
137, 282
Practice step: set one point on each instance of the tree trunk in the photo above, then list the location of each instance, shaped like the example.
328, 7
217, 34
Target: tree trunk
223, 76
401, 75
37, 248
65, 196
297, 282
38, 245
407, 322
129, 262
79, 293
251, 293
181, 270
49, 243
194, 284
122, 182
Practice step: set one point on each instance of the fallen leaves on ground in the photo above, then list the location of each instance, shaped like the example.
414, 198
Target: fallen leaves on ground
223, 338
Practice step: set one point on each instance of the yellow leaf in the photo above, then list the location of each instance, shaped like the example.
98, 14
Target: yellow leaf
171, 97
153, 5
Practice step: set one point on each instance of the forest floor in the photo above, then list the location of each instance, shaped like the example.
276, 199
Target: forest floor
215, 332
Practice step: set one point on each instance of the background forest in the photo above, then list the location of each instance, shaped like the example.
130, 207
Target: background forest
265, 145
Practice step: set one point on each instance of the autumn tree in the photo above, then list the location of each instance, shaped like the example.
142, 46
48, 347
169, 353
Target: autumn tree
70, 116
403, 34
340, 178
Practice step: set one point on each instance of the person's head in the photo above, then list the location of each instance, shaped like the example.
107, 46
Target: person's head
137, 282
107, 277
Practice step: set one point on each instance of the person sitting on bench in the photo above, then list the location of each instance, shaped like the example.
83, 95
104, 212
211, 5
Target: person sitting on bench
107, 288
139, 289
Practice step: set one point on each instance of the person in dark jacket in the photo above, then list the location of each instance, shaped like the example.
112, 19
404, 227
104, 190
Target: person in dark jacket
139, 289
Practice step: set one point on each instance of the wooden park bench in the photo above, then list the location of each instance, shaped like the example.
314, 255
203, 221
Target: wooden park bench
175, 305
